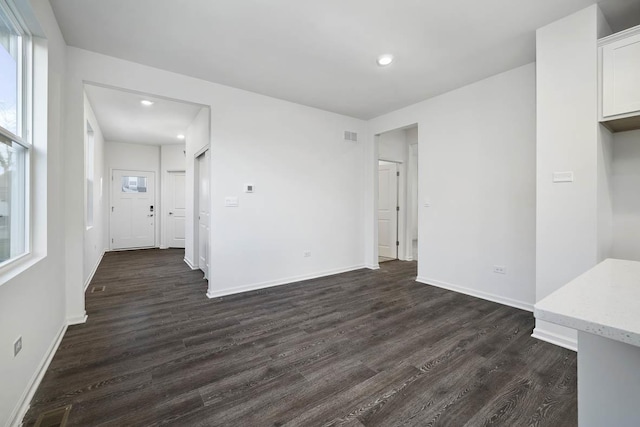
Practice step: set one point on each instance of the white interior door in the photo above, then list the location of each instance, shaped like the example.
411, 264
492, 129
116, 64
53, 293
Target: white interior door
176, 206
203, 213
132, 209
387, 210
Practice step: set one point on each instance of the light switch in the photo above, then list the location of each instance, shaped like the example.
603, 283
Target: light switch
231, 202
563, 176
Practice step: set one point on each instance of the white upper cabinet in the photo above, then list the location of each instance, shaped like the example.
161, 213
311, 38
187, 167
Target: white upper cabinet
620, 74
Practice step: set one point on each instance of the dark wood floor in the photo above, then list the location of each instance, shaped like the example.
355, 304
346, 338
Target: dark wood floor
365, 348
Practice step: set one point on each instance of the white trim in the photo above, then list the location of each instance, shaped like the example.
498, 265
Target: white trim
272, 283
619, 36
93, 271
163, 247
24, 403
191, 266
373, 267
478, 294
79, 320
553, 338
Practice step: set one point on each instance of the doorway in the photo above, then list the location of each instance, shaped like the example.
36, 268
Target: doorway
176, 206
397, 195
203, 213
132, 216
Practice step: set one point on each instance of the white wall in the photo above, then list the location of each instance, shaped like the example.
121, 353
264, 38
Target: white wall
626, 195
198, 138
605, 193
126, 156
479, 179
308, 179
32, 296
392, 146
172, 158
567, 140
94, 240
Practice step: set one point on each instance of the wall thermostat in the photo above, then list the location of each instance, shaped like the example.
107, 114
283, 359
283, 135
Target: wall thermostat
249, 188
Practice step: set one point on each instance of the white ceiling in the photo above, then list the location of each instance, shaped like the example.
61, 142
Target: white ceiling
322, 53
122, 118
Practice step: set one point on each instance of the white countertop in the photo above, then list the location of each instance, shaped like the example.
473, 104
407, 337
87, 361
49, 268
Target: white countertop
603, 301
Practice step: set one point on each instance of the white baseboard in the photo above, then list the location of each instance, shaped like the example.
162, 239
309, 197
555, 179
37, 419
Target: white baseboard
553, 338
21, 409
478, 294
93, 271
78, 320
373, 267
164, 247
190, 264
247, 288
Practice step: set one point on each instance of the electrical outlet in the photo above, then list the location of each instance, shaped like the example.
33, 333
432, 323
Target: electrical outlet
17, 346
307, 254
499, 269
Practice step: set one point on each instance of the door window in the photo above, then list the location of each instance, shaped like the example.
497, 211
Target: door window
134, 184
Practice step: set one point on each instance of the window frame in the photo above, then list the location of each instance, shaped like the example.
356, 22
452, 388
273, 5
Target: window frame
24, 121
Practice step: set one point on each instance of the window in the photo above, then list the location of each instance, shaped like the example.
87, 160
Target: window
134, 184
89, 165
14, 143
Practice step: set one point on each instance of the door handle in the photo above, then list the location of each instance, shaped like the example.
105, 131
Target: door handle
150, 215
170, 213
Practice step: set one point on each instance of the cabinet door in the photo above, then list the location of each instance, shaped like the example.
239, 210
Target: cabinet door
621, 76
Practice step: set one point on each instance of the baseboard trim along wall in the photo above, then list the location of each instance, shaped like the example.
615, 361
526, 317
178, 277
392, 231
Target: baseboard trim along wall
93, 271
373, 267
556, 339
478, 294
77, 320
287, 281
191, 266
23, 405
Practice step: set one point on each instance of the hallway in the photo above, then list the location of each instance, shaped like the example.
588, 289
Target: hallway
368, 348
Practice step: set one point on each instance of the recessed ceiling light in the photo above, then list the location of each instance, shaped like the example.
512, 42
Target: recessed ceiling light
181, 136
384, 60
146, 102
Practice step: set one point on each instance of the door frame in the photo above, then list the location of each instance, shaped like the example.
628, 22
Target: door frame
164, 235
155, 209
196, 205
404, 253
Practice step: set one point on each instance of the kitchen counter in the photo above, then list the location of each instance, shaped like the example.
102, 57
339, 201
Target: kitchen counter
603, 304
603, 301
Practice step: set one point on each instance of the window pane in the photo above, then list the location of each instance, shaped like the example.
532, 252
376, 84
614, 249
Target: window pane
134, 184
10, 56
12, 201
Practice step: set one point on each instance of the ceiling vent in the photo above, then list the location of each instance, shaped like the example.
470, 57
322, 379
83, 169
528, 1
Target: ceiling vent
350, 136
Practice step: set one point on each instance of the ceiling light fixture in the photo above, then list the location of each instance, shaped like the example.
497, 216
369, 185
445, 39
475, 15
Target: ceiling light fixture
181, 136
146, 102
384, 60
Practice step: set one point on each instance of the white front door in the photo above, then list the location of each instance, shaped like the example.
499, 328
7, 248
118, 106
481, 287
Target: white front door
176, 188
132, 209
203, 213
387, 210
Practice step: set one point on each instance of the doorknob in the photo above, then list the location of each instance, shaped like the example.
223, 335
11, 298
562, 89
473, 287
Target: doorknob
150, 215
170, 213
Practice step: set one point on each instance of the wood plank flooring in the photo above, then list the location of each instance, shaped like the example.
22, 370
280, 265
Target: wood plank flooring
364, 348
